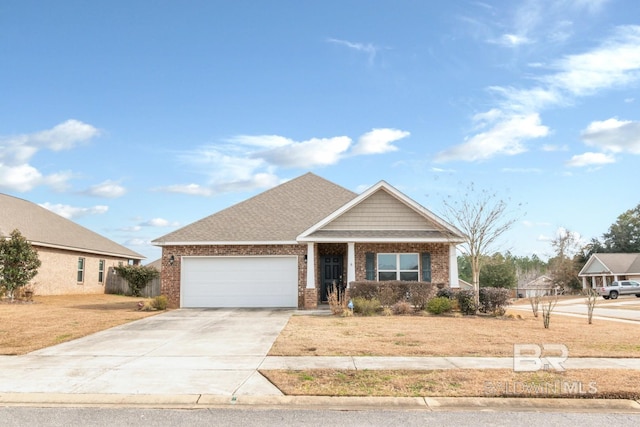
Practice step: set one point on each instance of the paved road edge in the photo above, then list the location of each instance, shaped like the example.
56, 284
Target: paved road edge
195, 401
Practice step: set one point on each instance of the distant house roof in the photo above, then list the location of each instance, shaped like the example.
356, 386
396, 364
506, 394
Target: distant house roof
612, 264
540, 282
310, 208
44, 228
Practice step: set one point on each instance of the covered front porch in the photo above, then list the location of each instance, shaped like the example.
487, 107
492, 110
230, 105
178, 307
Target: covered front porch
337, 264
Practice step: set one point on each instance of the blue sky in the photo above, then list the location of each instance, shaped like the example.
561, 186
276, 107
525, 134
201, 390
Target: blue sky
133, 118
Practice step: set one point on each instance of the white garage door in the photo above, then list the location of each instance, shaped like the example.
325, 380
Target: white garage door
251, 281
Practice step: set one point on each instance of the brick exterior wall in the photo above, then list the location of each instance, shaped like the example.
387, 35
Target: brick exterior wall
58, 274
307, 298
170, 284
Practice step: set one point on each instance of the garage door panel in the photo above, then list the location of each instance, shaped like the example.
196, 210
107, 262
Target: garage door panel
239, 282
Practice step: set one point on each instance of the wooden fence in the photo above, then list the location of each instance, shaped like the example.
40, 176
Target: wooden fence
118, 285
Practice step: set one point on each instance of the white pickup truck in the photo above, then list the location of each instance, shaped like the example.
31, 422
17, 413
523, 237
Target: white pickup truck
622, 287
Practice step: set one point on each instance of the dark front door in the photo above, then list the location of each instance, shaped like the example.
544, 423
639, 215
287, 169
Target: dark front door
331, 274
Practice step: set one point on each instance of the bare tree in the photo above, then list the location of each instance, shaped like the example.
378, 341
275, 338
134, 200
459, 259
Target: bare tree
548, 304
534, 300
563, 268
483, 218
591, 299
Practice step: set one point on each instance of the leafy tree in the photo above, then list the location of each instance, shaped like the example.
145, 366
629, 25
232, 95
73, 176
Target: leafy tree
19, 262
464, 268
483, 218
138, 276
498, 272
624, 234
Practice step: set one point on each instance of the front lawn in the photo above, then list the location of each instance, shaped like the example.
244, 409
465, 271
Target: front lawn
50, 320
452, 336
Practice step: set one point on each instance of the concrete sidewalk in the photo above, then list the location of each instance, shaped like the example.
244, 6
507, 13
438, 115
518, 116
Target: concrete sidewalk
430, 363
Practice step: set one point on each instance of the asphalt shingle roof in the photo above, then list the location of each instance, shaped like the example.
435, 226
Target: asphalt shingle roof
276, 215
43, 227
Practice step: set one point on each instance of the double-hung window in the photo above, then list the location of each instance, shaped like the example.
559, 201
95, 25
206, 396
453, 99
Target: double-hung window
398, 267
101, 271
80, 270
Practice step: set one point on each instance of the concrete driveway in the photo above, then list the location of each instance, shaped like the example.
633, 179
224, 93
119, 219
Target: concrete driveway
189, 351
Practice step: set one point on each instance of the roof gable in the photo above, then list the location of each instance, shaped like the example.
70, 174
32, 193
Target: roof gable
383, 212
276, 215
612, 263
42, 227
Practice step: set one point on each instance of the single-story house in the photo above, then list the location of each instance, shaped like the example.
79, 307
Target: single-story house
603, 269
540, 286
285, 247
75, 260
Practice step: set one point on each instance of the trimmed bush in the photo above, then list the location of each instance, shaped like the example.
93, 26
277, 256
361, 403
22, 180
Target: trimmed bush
494, 300
160, 302
365, 307
402, 307
420, 293
467, 302
439, 305
445, 292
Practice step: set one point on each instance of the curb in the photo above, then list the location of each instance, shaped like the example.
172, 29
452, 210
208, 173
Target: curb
433, 404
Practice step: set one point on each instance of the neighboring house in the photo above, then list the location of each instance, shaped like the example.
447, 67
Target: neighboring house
464, 285
286, 246
602, 269
75, 260
540, 286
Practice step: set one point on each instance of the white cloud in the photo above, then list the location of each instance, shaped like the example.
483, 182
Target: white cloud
368, 48
159, 222
70, 212
505, 138
378, 141
511, 40
108, 189
307, 154
16, 152
249, 162
551, 147
614, 63
590, 159
522, 170
613, 135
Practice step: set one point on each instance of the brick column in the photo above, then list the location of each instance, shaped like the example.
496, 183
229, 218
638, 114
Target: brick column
310, 298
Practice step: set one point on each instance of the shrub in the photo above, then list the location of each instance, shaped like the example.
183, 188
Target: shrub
420, 293
137, 276
467, 302
365, 307
402, 307
366, 290
336, 299
160, 302
445, 292
494, 300
439, 305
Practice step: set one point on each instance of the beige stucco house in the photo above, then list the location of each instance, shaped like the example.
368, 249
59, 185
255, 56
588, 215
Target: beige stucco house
286, 246
602, 269
75, 260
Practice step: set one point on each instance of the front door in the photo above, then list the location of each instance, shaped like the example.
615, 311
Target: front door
331, 275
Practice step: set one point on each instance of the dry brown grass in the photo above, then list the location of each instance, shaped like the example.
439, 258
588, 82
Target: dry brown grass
610, 383
49, 320
451, 336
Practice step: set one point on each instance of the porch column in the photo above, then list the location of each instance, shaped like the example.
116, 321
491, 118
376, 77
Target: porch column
311, 266
310, 291
604, 280
593, 282
453, 267
351, 262
584, 282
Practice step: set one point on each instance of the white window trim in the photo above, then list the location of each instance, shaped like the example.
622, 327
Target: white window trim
397, 271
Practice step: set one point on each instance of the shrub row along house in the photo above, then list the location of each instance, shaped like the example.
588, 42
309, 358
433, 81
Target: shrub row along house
75, 260
287, 246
